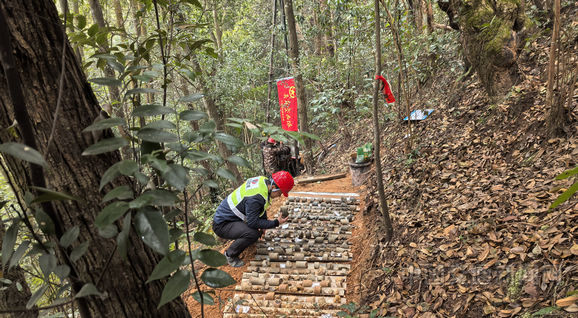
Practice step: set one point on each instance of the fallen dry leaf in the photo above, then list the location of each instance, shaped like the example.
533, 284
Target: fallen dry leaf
450, 230
574, 249
528, 303
531, 289
484, 254
565, 302
509, 312
537, 250
489, 309
572, 308
490, 263
509, 218
518, 249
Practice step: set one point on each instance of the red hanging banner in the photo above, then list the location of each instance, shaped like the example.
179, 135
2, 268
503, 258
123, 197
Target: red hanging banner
288, 102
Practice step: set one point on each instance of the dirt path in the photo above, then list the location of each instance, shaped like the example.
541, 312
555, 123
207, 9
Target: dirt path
268, 270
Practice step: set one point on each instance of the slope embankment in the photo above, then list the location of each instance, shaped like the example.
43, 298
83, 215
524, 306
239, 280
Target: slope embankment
469, 191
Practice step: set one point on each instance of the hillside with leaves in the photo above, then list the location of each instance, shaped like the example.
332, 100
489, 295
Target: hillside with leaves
476, 233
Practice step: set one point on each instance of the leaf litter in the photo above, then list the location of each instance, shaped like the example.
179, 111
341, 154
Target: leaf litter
474, 235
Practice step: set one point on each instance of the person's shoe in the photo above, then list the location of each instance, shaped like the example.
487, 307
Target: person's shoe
234, 261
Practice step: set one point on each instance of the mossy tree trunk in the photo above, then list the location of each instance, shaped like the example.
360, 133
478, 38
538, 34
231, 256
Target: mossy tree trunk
489, 38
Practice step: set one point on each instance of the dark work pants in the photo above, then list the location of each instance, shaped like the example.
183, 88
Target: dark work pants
239, 231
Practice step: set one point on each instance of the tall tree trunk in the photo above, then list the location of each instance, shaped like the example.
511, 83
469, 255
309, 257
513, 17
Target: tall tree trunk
318, 38
139, 26
209, 101
299, 86
98, 17
329, 38
64, 7
430, 17
115, 107
415, 9
139, 30
36, 47
118, 14
556, 116
134, 5
12, 298
376, 130
75, 6
213, 193
213, 112
76, 10
271, 57
402, 78
218, 32
284, 19
121, 109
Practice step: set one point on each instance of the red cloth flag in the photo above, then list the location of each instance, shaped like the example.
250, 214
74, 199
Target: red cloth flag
386, 90
288, 102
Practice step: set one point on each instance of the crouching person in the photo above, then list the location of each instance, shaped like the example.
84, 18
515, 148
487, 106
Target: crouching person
242, 215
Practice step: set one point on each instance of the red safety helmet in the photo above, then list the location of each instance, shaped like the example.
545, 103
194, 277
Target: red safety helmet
284, 181
271, 140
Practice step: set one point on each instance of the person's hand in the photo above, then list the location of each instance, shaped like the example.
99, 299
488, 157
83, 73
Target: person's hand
263, 231
282, 219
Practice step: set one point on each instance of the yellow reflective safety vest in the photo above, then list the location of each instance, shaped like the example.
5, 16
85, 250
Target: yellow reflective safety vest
251, 187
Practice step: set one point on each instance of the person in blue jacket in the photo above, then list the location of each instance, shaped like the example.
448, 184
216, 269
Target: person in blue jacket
242, 215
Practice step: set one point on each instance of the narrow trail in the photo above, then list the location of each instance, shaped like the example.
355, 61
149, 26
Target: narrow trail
303, 268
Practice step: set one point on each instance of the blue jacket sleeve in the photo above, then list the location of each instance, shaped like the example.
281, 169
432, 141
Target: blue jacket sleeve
253, 207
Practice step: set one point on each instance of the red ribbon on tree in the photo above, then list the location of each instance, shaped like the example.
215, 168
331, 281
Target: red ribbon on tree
386, 90
288, 102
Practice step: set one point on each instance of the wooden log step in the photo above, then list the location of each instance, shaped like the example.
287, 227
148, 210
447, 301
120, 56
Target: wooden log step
326, 177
